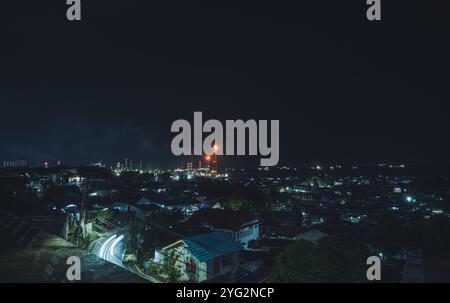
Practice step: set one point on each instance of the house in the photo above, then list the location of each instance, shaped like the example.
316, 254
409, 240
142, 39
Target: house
281, 225
185, 206
143, 210
207, 257
270, 245
312, 234
59, 196
93, 174
170, 201
120, 207
276, 244
243, 226
130, 199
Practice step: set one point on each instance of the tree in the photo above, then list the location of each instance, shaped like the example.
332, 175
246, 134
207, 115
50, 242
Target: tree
235, 204
388, 236
332, 259
170, 268
248, 199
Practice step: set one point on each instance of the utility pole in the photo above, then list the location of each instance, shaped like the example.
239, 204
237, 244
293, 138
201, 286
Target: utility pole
81, 232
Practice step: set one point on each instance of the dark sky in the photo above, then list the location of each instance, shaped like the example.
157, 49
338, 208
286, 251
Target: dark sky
344, 89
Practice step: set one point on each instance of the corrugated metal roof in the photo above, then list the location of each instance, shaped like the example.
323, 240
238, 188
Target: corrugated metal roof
210, 246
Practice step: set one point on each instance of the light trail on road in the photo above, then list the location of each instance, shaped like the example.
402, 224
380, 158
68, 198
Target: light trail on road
105, 246
113, 246
108, 247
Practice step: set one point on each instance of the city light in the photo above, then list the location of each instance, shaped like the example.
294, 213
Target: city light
409, 199
240, 147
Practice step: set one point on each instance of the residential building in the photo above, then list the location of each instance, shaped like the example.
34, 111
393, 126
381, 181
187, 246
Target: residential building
243, 226
207, 257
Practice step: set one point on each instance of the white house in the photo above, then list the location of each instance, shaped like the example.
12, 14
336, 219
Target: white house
208, 257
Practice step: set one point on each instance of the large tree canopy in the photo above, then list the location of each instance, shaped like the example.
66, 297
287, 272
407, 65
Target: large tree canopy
332, 259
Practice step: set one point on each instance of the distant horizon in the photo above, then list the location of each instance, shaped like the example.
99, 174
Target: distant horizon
252, 164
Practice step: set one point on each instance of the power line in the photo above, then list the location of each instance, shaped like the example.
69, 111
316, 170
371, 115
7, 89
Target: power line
178, 258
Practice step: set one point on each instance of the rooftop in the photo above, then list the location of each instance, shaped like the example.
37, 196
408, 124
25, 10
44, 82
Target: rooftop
222, 219
210, 246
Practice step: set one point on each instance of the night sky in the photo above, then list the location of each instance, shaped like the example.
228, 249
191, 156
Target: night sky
109, 87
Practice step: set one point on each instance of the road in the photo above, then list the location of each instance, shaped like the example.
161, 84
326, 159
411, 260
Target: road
111, 248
